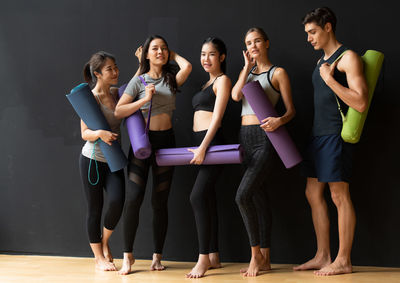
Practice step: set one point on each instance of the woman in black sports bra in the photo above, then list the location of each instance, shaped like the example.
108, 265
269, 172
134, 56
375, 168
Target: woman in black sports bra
209, 106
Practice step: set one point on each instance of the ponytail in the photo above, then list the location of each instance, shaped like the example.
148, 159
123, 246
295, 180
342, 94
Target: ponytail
95, 64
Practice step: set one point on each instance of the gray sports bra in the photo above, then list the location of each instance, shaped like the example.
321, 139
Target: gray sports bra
265, 80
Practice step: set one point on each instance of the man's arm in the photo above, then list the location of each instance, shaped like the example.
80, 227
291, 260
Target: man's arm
356, 95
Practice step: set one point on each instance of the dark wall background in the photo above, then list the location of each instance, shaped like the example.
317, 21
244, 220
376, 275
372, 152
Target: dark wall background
43, 46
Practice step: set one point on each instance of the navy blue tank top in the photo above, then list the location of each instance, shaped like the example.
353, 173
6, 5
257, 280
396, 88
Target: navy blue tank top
327, 118
204, 99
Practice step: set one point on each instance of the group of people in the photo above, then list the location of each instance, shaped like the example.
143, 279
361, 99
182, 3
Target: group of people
328, 158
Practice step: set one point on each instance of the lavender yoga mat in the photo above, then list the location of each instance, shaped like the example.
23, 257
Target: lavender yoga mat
279, 138
85, 105
137, 131
216, 154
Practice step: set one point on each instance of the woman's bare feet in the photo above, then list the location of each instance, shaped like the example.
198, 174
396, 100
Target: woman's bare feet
127, 264
156, 264
202, 265
214, 261
339, 266
265, 254
257, 263
104, 265
317, 262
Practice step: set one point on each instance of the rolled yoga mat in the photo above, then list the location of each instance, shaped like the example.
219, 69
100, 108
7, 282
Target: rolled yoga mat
279, 138
354, 123
216, 154
85, 105
137, 131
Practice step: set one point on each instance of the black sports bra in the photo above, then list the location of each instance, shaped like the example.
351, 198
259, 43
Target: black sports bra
204, 99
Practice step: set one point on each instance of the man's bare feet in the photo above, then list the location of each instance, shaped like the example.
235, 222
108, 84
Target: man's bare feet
214, 261
335, 268
106, 251
104, 265
317, 262
156, 264
257, 263
202, 265
127, 264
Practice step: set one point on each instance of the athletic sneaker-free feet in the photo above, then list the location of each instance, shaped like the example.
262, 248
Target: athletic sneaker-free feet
314, 263
199, 269
127, 263
335, 268
156, 264
257, 263
104, 265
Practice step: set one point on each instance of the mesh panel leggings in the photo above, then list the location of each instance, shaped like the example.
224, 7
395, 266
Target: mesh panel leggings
252, 197
203, 200
138, 170
114, 185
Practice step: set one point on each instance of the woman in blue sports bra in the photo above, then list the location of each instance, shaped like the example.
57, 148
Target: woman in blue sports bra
209, 106
251, 197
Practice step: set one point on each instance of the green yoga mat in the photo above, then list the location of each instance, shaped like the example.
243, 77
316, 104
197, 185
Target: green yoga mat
354, 123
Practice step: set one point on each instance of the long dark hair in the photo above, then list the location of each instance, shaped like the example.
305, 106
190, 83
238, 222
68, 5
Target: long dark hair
221, 47
95, 64
168, 70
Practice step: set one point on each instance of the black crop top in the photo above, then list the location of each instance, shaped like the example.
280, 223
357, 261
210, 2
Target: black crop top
204, 99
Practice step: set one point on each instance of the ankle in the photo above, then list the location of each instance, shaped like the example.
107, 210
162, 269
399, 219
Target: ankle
157, 256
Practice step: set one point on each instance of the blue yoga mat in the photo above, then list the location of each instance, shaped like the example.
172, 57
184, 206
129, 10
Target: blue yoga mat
85, 105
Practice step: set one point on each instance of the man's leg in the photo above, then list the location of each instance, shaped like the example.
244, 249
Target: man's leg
347, 221
319, 210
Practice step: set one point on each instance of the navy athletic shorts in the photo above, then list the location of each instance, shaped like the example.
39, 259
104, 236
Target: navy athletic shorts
329, 159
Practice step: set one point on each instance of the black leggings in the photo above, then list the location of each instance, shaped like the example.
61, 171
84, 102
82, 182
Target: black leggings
138, 171
114, 184
252, 197
203, 199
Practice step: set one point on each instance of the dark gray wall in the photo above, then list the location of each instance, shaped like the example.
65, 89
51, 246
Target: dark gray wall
43, 46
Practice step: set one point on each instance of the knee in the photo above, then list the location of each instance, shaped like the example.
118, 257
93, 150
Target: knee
197, 198
339, 197
134, 198
159, 201
242, 198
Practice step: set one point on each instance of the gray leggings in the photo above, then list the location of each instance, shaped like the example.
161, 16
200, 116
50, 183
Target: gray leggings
252, 197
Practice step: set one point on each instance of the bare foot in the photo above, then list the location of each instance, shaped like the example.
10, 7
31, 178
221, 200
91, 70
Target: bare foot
202, 265
257, 261
265, 267
214, 261
104, 265
127, 264
335, 268
106, 251
156, 264
314, 263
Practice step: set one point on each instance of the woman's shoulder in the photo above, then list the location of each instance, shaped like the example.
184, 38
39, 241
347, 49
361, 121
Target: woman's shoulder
224, 79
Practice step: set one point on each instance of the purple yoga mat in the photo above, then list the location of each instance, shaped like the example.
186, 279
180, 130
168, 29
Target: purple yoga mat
216, 154
137, 131
279, 138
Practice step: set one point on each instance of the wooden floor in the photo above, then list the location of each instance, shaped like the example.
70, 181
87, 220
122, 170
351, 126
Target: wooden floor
24, 269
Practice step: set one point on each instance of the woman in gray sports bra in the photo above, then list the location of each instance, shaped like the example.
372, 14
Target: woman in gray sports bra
101, 72
251, 196
162, 84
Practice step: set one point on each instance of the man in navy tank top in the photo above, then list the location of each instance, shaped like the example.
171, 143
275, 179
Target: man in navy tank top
339, 82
